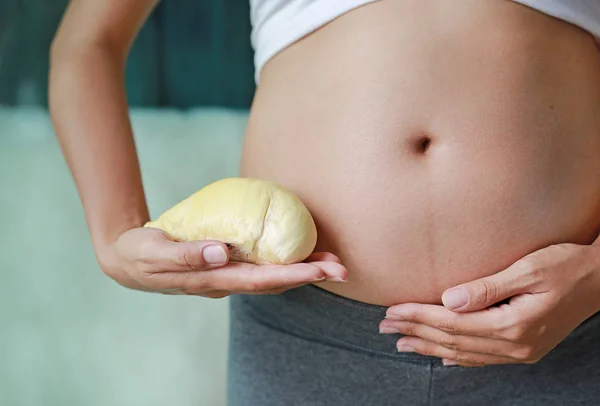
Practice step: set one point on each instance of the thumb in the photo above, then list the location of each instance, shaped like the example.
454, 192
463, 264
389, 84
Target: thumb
485, 292
192, 255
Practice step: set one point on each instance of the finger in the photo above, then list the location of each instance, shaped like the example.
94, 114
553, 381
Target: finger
218, 294
334, 271
485, 292
453, 342
268, 278
241, 277
450, 363
172, 256
428, 348
246, 278
323, 256
290, 287
283, 289
484, 323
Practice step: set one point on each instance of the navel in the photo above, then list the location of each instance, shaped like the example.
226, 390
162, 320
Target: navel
421, 144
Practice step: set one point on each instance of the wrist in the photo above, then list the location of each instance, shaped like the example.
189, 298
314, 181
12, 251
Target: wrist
595, 260
105, 239
105, 233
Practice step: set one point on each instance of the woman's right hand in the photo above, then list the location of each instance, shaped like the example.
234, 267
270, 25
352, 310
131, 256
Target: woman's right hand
147, 259
90, 51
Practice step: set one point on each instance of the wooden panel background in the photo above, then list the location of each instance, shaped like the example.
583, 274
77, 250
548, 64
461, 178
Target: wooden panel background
190, 53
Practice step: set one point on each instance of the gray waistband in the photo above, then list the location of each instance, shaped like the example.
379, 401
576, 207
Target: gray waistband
312, 313
315, 314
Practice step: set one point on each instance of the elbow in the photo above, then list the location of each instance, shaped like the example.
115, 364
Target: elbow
57, 49
71, 61
65, 47
59, 46
56, 53
62, 50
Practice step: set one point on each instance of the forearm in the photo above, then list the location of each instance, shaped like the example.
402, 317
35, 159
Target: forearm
90, 115
596, 260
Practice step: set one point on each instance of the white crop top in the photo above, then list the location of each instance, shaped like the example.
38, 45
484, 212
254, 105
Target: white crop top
277, 24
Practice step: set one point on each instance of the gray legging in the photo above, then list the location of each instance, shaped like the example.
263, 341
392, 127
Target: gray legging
310, 347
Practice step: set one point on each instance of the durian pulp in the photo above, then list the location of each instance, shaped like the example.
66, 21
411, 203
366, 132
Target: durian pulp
262, 221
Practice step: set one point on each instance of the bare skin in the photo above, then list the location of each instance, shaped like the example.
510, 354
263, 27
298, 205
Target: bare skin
433, 157
438, 144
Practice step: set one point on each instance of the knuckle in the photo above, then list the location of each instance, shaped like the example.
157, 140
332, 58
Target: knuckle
505, 326
145, 249
524, 353
447, 325
515, 333
531, 270
409, 329
413, 313
486, 291
528, 263
450, 343
540, 331
253, 286
534, 276
183, 257
426, 350
416, 312
468, 359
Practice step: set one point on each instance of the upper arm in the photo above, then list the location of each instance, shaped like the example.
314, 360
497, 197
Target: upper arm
112, 24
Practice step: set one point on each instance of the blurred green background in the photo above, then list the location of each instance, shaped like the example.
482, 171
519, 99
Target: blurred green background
68, 334
189, 53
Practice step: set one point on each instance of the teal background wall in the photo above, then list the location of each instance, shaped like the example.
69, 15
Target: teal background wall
69, 335
190, 53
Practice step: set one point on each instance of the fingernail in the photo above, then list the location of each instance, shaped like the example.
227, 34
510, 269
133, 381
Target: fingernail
405, 348
214, 254
388, 330
449, 363
319, 279
336, 279
455, 298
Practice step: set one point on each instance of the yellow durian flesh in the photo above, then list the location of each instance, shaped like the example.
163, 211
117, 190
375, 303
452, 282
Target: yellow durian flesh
263, 222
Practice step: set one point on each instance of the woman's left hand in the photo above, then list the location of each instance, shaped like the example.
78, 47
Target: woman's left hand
551, 292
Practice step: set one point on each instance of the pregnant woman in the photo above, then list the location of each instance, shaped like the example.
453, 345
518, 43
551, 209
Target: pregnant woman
449, 152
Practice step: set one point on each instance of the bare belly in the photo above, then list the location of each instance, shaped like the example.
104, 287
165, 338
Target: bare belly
434, 142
